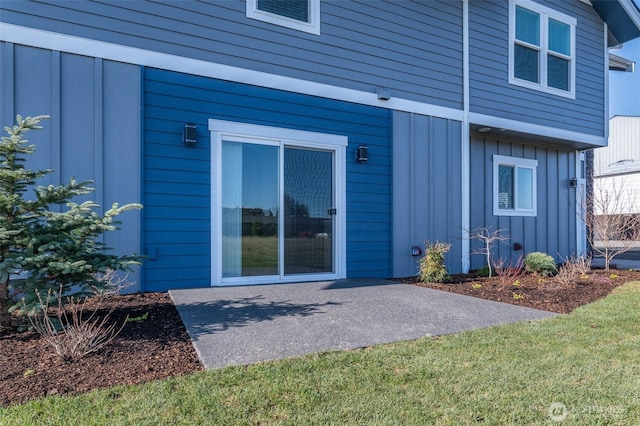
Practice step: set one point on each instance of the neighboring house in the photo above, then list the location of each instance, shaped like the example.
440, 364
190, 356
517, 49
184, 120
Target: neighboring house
303, 140
617, 167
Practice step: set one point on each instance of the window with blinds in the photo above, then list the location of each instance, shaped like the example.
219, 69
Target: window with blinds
293, 9
302, 15
542, 48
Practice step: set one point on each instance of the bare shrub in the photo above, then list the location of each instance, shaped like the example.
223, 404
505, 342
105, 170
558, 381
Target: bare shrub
574, 268
112, 283
566, 275
69, 330
611, 218
508, 274
487, 237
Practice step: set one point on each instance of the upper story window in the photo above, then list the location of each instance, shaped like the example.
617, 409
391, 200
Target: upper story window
514, 186
541, 48
302, 15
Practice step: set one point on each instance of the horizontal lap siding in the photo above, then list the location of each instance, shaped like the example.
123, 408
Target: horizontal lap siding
412, 48
553, 230
177, 177
491, 93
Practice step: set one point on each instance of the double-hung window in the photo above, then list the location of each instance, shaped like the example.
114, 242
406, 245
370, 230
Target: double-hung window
301, 15
541, 48
514, 186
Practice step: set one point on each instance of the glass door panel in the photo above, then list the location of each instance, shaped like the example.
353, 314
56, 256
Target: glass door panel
250, 208
308, 211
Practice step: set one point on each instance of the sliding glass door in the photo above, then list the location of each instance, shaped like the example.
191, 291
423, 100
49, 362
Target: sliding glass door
278, 207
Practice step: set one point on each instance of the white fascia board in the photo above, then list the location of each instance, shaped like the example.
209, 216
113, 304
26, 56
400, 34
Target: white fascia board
536, 129
82, 46
632, 11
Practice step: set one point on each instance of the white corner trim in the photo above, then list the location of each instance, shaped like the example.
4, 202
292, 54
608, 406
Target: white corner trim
537, 129
465, 149
115, 52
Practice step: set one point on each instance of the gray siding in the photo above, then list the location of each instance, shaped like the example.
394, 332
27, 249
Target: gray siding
553, 230
427, 182
491, 93
94, 130
412, 48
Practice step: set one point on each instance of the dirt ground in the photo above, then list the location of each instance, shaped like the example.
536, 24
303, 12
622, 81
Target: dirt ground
154, 343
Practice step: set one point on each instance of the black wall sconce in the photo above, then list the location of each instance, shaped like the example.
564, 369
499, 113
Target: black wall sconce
517, 246
573, 182
362, 154
190, 134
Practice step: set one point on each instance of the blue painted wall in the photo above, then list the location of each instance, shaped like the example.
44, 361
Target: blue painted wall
177, 214
553, 230
491, 93
94, 130
427, 178
413, 48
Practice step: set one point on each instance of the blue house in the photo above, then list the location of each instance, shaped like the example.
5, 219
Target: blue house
301, 140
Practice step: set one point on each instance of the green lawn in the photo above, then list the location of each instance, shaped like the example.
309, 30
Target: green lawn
513, 374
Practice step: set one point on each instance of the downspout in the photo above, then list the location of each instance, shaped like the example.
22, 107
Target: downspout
465, 142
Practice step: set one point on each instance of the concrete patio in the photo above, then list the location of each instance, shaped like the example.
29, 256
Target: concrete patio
245, 324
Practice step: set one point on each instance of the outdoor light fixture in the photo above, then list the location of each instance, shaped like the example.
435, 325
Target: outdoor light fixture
383, 93
517, 246
190, 134
362, 154
574, 182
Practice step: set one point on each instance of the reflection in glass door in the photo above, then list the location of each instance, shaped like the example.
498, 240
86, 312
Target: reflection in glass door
277, 210
308, 211
250, 209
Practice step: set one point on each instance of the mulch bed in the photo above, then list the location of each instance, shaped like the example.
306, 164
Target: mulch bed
537, 292
156, 345
147, 349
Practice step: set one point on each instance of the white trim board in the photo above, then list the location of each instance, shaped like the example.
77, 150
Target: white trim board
82, 46
536, 129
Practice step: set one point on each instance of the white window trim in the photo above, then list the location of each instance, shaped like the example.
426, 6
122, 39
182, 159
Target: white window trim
501, 160
276, 136
312, 27
545, 14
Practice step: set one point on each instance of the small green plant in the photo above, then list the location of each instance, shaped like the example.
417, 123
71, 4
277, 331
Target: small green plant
518, 296
516, 283
476, 285
28, 373
432, 267
483, 272
540, 263
142, 317
613, 276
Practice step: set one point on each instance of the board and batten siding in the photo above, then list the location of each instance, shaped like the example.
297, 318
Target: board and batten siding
427, 189
412, 48
94, 130
491, 93
177, 224
553, 230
